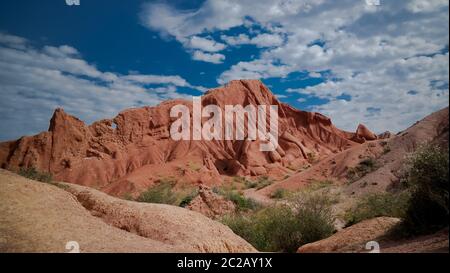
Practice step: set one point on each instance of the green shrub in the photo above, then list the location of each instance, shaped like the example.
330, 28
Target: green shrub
318, 184
247, 184
271, 229
315, 216
34, 174
427, 177
161, 193
279, 193
127, 196
364, 167
260, 183
251, 184
378, 204
242, 203
285, 227
186, 200
263, 182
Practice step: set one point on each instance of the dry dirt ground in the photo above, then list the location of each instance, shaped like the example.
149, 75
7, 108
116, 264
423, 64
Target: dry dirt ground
355, 238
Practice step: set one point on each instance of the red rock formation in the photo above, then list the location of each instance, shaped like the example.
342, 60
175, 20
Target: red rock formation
211, 204
129, 153
363, 134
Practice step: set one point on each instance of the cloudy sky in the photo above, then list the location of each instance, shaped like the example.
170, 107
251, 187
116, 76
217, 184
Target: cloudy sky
382, 65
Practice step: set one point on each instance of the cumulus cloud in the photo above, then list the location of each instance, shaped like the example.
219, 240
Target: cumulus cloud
205, 44
34, 81
390, 61
215, 58
261, 40
184, 25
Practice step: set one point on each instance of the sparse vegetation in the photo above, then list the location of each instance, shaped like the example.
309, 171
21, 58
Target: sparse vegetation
44, 177
378, 204
34, 174
186, 200
427, 178
311, 158
279, 193
193, 166
242, 203
127, 196
285, 227
161, 193
318, 184
364, 167
263, 182
244, 182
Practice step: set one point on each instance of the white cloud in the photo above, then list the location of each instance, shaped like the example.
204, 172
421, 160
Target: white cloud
205, 44
261, 40
267, 40
387, 59
157, 79
12, 41
314, 75
236, 40
34, 81
426, 6
215, 58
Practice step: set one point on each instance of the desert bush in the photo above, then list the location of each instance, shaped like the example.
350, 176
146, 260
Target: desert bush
279, 194
246, 183
242, 203
34, 174
311, 158
285, 227
427, 178
186, 200
260, 183
263, 182
127, 196
161, 193
378, 204
271, 229
318, 184
364, 167
314, 212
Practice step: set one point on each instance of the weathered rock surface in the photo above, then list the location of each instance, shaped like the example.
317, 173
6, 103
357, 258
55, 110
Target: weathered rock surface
130, 152
387, 152
39, 217
354, 238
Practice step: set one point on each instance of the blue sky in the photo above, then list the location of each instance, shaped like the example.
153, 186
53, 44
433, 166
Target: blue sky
385, 66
